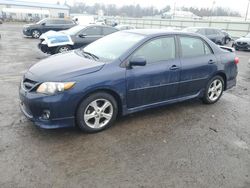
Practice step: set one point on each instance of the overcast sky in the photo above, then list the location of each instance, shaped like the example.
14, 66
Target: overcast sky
238, 5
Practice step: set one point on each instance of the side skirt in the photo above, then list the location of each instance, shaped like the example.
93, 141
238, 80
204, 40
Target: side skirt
162, 103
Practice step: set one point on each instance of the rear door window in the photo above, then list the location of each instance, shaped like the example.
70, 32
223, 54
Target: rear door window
160, 49
192, 46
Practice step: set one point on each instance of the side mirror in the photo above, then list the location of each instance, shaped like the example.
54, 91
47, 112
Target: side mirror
43, 24
137, 61
82, 35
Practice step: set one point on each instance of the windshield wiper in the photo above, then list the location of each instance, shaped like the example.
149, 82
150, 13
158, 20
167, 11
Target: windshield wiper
91, 55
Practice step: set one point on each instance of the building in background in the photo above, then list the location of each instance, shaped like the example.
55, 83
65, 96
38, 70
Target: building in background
31, 11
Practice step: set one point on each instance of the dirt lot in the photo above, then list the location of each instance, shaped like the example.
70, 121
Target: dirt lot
183, 145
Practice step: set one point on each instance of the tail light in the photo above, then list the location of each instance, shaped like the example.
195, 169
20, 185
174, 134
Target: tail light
236, 60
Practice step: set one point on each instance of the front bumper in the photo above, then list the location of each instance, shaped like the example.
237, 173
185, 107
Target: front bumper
34, 106
27, 32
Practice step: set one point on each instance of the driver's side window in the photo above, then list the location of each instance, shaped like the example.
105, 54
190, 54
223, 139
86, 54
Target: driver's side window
156, 50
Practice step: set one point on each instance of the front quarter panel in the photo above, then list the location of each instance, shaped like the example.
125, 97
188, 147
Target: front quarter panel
110, 78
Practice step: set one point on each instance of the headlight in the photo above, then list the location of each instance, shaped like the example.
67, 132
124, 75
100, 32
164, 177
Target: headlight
54, 87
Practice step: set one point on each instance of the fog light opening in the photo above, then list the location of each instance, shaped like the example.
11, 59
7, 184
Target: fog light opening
45, 115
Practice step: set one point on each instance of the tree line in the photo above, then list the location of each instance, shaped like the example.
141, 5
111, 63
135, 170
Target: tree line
138, 11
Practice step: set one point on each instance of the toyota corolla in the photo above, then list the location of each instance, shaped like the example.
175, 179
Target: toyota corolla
123, 73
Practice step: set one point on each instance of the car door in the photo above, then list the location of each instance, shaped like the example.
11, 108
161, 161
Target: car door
198, 63
88, 35
59, 25
158, 80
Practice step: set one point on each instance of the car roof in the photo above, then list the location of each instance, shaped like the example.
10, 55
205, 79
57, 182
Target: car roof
156, 32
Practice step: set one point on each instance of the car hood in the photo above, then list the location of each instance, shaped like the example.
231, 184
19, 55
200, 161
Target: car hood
243, 39
63, 67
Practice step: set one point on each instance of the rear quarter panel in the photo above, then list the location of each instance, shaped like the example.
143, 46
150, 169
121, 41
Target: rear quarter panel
227, 65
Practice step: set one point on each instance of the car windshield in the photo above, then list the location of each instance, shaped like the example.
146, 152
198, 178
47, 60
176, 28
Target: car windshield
42, 21
74, 30
113, 46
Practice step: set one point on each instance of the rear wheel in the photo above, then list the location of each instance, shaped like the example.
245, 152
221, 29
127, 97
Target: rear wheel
97, 112
36, 34
213, 90
62, 49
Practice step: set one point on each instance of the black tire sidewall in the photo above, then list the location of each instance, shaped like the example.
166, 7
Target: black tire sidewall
83, 105
206, 99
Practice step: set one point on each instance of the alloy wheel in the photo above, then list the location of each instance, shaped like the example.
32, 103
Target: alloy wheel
36, 34
98, 113
63, 49
215, 90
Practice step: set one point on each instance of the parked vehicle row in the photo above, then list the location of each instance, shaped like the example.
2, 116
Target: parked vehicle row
73, 38
122, 73
216, 35
35, 30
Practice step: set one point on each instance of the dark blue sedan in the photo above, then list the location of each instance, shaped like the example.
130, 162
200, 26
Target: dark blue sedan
122, 73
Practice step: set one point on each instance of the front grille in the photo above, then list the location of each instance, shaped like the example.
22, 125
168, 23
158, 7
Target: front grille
242, 43
28, 84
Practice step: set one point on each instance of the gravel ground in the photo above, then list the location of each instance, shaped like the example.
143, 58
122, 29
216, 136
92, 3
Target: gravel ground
182, 145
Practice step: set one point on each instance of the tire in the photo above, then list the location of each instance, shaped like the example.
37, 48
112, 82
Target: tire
62, 49
97, 112
36, 33
214, 90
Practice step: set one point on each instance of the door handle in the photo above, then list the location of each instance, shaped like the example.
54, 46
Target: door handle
211, 61
174, 67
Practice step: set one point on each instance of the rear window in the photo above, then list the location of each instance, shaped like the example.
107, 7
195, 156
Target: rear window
68, 22
192, 46
211, 32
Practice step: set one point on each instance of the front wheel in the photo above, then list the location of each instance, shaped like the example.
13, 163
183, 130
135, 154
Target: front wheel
36, 34
97, 112
62, 49
213, 90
